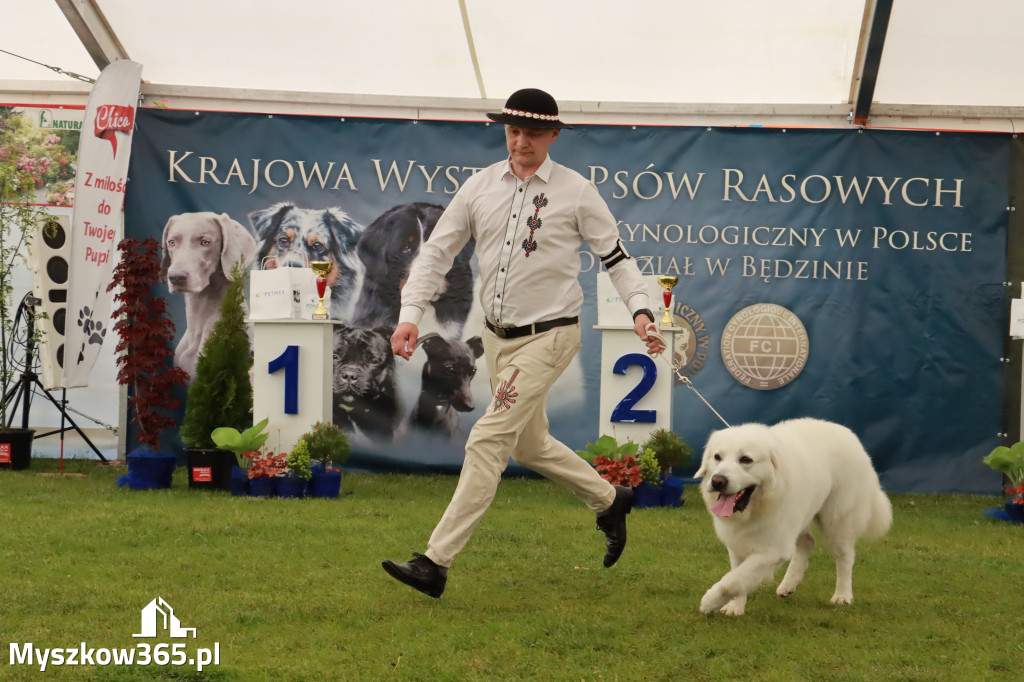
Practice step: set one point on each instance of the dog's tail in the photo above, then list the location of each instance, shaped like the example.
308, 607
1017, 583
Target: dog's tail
881, 516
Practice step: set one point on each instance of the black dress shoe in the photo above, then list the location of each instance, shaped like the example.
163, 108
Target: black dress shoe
421, 573
613, 522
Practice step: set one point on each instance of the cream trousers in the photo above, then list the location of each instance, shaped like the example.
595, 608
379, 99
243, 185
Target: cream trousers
515, 425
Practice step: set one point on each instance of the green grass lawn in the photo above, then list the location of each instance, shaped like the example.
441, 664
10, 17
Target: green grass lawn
293, 589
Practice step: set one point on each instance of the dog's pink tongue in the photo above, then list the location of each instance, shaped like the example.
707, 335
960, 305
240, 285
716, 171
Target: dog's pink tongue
725, 506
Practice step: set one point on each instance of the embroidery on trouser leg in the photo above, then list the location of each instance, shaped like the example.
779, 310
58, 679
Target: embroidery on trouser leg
506, 394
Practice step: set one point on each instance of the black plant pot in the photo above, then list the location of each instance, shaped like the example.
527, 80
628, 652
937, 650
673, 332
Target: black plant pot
209, 469
16, 448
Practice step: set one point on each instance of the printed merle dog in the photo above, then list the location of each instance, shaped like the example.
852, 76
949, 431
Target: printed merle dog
387, 248
364, 384
291, 237
447, 374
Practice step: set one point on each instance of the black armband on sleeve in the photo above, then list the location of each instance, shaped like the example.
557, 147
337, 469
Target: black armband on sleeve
644, 311
617, 255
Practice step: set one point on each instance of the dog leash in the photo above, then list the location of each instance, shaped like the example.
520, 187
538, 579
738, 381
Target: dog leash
652, 330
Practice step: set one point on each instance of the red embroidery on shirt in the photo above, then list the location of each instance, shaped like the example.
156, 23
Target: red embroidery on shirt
534, 222
505, 396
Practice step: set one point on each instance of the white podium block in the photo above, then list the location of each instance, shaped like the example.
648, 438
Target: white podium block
292, 377
636, 388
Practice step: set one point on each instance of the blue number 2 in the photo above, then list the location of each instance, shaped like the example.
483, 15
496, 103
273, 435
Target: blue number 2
289, 359
624, 411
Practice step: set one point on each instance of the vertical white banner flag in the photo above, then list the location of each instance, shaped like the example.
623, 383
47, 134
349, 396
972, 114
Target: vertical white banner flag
96, 222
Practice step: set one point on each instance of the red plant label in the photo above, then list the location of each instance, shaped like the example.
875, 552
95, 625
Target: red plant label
202, 474
5, 453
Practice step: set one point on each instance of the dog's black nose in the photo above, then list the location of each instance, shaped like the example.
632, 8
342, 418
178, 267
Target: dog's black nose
719, 482
178, 279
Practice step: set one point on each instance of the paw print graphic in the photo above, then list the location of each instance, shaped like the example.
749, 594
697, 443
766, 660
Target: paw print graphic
94, 330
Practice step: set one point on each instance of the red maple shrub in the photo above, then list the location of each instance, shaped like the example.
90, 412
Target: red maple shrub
145, 331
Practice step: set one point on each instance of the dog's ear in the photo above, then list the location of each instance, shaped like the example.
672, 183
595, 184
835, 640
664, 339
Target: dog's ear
165, 258
704, 465
429, 215
376, 242
432, 343
477, 344
344, 229
265, 221
236, 244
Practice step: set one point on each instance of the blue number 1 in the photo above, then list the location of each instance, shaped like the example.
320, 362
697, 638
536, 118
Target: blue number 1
624, 411
289, 359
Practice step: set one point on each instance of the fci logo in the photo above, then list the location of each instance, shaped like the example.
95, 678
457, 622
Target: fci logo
158, 612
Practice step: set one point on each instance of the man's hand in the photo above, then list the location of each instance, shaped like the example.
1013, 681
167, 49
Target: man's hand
403, 341
655, 345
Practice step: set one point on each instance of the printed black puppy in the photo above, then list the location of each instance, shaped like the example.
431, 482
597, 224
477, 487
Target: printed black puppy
291, 237
447, 374
387, 248
365, 387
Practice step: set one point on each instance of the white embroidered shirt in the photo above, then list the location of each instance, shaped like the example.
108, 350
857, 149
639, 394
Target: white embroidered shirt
528, 233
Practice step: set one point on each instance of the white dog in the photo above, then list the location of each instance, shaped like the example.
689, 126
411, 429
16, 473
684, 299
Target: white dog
764, 486
199, 250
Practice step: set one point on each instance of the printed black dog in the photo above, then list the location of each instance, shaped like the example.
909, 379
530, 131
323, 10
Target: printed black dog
447, 374
387, 248
365, 387
291, 237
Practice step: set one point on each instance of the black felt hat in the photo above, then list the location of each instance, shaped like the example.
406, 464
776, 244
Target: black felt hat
529, 108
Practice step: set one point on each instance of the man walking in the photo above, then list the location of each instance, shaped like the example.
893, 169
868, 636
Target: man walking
529, 216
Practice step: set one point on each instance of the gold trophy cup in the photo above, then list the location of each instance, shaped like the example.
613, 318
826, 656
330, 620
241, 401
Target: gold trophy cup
321, 268
667, 282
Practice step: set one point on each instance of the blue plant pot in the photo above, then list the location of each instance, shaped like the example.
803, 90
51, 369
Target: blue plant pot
239, 481
326, 483
646, 494
262, 487
291, 486
148, 470
1014, 512
672, 491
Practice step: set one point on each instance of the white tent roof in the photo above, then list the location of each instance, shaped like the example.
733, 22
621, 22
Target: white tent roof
679, 60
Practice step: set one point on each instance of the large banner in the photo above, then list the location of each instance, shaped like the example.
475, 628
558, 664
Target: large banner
849, 275
99, 190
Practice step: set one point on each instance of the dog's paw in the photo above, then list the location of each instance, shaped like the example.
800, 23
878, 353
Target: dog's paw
843, 598
713, 600
785, 588
737, 607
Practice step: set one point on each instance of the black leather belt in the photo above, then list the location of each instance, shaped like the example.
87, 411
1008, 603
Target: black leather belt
527, 330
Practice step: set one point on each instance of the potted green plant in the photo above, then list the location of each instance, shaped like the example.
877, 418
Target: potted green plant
328, 448
648, 492
264, 470
616, 463
220, 393
144, 359
244, 445
299, 472
19, 216
671, 451
1009, 460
